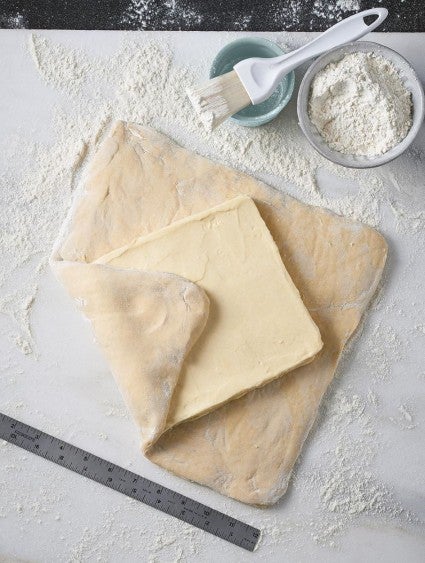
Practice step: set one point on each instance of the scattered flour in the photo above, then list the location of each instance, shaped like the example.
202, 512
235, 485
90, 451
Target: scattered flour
141, 82
112, 409
347, 484
23, 344
183, 14
348, 5
335, 10
14, 21
66, 76
169, 13
347, 487
404, 419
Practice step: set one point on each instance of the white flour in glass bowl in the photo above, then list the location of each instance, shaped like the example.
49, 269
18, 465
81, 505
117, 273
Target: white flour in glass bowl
360, 105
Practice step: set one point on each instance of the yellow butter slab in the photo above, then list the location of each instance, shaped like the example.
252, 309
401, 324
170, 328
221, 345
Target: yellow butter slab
258, 327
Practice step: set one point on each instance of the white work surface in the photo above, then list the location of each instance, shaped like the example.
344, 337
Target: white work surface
64, 387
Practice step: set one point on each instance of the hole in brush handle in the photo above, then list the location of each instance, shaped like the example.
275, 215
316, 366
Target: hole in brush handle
370, 19
373, 18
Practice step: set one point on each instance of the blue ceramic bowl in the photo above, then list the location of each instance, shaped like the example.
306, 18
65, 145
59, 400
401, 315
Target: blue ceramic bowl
244, 48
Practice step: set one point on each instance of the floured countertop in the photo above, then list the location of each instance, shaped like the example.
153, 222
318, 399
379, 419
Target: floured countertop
358, 491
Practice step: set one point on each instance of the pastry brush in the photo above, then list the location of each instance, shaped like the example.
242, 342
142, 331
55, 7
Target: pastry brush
254, 80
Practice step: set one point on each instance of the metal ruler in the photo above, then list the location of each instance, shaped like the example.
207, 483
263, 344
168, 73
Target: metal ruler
128, 483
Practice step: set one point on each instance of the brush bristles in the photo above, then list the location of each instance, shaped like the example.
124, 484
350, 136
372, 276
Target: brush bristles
219, 98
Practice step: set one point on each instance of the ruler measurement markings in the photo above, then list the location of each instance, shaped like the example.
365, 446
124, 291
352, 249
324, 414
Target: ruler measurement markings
195, 513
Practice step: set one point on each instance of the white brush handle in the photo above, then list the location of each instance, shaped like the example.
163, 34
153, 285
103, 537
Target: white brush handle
260, 76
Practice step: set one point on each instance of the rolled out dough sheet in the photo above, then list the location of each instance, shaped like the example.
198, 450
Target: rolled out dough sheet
258, 327
149, 322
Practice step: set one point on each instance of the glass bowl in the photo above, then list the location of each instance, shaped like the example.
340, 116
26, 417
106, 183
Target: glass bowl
244, 48
410, 80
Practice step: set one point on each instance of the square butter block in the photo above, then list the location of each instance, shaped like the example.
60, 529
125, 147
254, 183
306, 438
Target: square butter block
258, 327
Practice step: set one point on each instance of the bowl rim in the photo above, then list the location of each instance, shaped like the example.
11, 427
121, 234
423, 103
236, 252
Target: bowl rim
270, 115
313, 136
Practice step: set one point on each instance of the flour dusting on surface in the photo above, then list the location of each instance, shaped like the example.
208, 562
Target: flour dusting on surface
335, 10
144, 13
13, 21
187, 14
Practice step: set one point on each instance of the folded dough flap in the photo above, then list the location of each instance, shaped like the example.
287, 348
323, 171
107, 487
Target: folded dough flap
145, 322
258, 327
